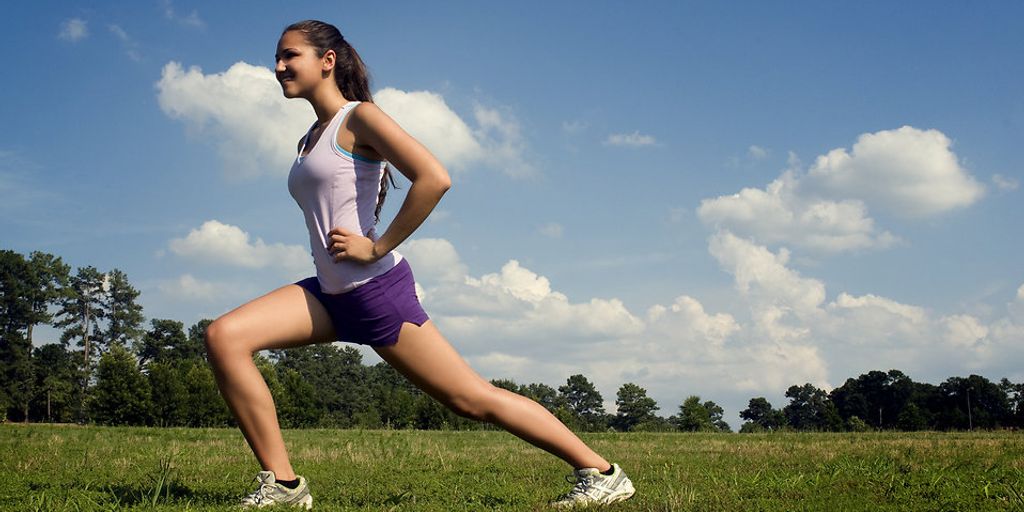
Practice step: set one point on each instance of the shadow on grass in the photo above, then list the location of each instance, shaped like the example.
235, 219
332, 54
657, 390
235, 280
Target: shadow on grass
48, 495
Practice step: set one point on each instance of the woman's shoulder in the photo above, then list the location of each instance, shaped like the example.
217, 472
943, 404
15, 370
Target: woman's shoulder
366, 112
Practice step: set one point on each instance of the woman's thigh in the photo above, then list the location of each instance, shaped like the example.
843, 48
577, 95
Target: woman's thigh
289, 316
426, 358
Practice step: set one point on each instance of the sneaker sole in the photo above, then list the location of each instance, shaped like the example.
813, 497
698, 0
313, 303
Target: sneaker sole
306, 503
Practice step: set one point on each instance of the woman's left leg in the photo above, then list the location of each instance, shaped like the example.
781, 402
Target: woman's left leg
426, 358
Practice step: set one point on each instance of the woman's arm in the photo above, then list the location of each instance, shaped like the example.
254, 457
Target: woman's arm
372, 127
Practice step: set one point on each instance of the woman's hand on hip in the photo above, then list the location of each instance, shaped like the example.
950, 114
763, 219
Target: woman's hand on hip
346, 245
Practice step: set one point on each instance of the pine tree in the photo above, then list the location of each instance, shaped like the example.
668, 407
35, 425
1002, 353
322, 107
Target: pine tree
584, 401
124, 326
81, 309
122, 394
634, 407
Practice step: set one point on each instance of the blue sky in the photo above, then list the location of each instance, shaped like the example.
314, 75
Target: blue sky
701, 198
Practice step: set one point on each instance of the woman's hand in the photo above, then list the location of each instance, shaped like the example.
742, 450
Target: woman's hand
346, 245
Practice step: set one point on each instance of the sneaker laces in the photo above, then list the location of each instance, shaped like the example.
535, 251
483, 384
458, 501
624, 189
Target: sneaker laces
581, 483
260, 492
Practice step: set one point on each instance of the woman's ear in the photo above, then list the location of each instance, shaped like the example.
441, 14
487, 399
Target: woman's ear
329, 59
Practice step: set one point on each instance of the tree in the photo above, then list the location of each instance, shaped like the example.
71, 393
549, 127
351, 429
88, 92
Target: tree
542, 394
584, 401
876, 397
810, 409
81, 309
162, 341
634, 407
393, 395
693, 416
18, 293
195, 344
760, 412
301, 406
336, 374
57, 375
912, 418
48, 277
506, 384
124, 326
715, 413
205, 407
169, 395
1015, 400
989, 406
122, 394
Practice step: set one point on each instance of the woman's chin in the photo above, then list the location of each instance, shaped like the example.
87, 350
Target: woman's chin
288, 91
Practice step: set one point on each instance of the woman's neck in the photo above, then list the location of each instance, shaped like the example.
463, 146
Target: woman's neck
327, 103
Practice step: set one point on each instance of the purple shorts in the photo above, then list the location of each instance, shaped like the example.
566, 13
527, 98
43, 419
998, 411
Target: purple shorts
372, 314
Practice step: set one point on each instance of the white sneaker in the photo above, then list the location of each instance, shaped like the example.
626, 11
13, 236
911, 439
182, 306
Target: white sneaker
591, 487
272, 493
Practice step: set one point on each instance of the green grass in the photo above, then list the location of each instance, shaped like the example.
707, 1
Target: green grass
51, 467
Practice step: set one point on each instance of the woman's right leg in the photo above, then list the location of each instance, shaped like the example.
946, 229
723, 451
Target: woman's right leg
289, 316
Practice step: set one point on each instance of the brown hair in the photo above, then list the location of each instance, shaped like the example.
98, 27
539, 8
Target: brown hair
349, 74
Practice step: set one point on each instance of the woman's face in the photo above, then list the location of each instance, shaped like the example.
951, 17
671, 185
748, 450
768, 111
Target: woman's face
298, 69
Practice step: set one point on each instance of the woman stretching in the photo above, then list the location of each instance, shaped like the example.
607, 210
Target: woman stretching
363, 291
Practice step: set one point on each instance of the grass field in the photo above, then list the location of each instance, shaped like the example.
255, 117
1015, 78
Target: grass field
59, 467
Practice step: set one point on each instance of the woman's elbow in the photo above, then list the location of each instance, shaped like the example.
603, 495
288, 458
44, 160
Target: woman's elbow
443, 182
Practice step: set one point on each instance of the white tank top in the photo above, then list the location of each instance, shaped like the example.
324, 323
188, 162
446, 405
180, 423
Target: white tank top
336, 188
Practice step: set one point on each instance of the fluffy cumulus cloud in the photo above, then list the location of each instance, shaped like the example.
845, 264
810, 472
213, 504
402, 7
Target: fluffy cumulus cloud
907, 171
256, 129
495, 141
218, 243
781, 214
241, 110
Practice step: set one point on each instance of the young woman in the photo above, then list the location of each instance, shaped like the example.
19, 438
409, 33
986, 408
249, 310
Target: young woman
363, 291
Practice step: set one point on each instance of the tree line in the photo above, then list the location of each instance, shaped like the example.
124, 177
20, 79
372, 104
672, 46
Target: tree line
110, 367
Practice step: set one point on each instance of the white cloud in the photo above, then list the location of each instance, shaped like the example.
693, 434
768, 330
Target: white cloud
495, 142
907, 171
757, 152
428, 118
963, 330
573, 127
912, 314
686, 317
257, 128
130, 45
188, 288
192, 20
218, 243
634, 139
504, 146
242, 109
74, 30
780, 214
552, 230
435, 259
1005, 182
763, 275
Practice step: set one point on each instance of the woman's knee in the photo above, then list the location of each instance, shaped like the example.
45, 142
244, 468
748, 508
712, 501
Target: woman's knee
221, 338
